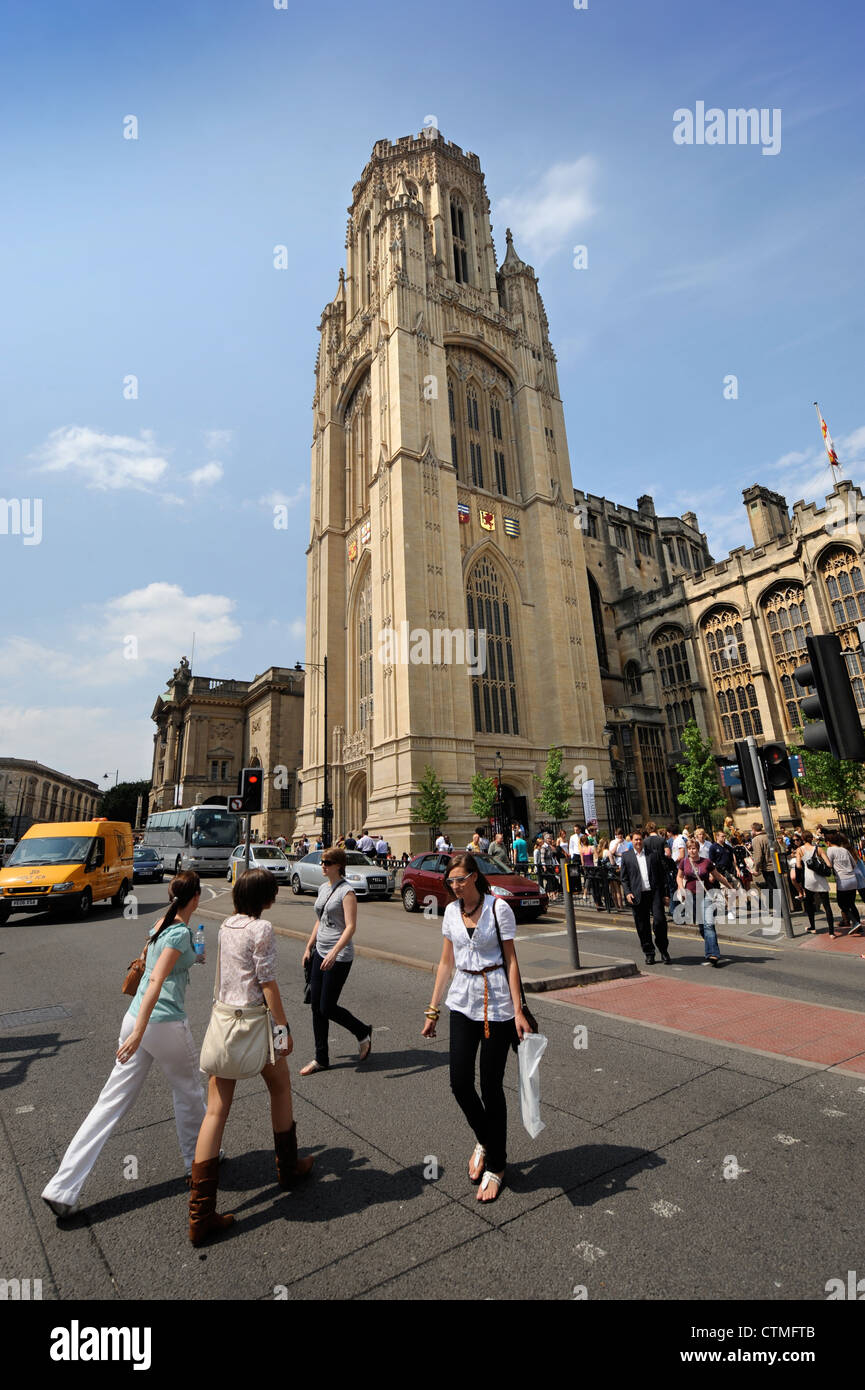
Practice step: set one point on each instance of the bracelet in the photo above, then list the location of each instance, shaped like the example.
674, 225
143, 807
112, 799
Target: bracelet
432, 1013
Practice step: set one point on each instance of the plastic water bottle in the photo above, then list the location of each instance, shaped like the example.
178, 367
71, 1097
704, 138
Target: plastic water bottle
199, 944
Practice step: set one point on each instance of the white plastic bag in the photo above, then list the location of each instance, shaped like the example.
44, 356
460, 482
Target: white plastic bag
529, 1054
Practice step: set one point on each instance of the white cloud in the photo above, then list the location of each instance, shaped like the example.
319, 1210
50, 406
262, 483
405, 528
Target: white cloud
546, 215
82, 740
806, 474
285, 499
207, 474
297, 628
104, 461
218, 440
163, 618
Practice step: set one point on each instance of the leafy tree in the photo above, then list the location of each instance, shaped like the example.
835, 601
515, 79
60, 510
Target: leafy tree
554, 797
700, 791
484, 792
830, 782
432, 806
119, 802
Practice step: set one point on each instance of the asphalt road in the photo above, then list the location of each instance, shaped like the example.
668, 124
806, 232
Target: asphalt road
670, 1167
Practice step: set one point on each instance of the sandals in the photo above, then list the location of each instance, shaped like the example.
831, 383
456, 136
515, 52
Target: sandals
477, 1157
365, 1047
311, 1068
488, 1178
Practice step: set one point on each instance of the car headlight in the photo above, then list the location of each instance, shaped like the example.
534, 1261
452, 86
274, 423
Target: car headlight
63, 888
355, 878
501, 892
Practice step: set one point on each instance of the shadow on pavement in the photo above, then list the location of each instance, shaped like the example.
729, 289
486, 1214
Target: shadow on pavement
586, 1175
32, 1047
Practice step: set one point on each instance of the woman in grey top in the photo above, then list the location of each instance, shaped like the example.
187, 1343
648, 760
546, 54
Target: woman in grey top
332, 952
841, 858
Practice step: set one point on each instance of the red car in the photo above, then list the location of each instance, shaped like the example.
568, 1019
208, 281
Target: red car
424, 878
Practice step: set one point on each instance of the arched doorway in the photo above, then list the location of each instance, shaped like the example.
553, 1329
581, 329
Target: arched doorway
356, 804
516, 811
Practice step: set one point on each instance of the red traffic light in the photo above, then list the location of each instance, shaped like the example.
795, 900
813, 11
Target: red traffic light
252, 781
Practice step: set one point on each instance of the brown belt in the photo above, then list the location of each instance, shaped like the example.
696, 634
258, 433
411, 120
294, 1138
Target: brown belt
500, 965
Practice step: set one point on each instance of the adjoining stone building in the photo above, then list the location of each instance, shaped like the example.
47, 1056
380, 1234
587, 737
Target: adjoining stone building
679, 635
32, 793
208, 729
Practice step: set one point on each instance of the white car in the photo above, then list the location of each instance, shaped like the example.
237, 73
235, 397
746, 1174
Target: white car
268, 857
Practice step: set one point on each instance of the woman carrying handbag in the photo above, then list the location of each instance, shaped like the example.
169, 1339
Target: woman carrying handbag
239, 1043
487, 1012
155, 1029
330, 951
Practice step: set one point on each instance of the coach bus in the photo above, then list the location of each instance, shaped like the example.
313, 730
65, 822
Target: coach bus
199, 837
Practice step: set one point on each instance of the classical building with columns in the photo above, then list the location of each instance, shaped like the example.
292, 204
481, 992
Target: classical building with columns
31, 793
208, 729
442, 515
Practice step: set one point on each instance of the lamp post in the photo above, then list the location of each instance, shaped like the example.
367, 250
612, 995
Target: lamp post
326, 806
499, 807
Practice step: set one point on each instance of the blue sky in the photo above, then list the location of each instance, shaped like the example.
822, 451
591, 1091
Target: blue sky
154, 258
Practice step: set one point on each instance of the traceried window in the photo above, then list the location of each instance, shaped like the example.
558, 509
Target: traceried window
598, 624
633, 679
683, 555
841, 570
671, 655
366, 259
786, 616
651, 748
618, 535
460, 242
644, 543
592, 525
734, 689
481, 422
358, 450
494, 690
364, 657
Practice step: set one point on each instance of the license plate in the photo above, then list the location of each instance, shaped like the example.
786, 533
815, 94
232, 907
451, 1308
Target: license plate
27, 902
376, 882
529, 902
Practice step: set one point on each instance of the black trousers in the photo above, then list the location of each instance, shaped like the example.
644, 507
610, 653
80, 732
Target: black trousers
812, 899
648, 914
487, 1113
847, 904
325, 987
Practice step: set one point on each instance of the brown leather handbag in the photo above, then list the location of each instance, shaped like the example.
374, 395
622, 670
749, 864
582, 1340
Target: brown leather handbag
138, 966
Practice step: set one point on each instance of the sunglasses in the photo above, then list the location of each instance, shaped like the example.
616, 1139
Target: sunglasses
454, 882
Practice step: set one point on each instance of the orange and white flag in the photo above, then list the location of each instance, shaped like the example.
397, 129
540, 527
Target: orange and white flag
827, 439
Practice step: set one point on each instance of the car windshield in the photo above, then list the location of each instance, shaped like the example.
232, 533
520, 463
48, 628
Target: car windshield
54, 849
353, 857
268, 852
145, 854
489, 868
214, 827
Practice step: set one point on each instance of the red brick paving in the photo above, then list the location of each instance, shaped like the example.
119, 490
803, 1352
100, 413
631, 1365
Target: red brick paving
804, 1032
841, 945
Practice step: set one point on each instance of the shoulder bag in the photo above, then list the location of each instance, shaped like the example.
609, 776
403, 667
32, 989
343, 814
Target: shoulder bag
238, 1042
137, 967
817, 865
529, 1016
307, 969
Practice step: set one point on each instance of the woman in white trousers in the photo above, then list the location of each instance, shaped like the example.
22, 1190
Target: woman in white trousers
155, 1029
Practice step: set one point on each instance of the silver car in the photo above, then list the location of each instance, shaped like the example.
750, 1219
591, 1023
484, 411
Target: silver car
363, 875
262, 857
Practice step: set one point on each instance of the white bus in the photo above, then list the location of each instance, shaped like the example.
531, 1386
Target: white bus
199, 837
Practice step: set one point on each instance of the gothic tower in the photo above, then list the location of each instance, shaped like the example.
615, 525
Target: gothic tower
446, 575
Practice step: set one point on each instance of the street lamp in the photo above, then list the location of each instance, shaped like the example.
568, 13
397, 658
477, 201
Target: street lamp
326, 805
499, 808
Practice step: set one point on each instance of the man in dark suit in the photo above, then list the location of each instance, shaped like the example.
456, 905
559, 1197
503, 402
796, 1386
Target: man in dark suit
643, 884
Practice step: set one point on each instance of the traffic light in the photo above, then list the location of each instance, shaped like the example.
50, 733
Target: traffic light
834, 705
250, 789
776, 763
750, 794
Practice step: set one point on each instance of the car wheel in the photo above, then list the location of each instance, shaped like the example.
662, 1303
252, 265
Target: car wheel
84, 904
121, 895
296, 886
409, 899
228, 877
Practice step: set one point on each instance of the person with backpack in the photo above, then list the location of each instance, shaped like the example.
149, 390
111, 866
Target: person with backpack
814, 869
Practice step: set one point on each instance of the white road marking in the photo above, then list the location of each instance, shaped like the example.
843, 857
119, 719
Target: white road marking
834, 1112
24, 1109
590, 1253
665, 1208
787, 1139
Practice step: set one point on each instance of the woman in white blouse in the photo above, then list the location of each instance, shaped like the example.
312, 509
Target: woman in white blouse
247, 977
486, 1012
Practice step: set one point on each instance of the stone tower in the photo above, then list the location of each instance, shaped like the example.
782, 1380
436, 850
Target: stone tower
442, 509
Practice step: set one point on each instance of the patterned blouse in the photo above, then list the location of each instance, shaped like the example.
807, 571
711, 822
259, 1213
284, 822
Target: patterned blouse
247, 959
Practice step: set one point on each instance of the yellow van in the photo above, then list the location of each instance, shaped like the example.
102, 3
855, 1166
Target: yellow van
68, 867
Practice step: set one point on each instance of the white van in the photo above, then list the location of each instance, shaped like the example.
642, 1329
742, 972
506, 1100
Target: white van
6, 848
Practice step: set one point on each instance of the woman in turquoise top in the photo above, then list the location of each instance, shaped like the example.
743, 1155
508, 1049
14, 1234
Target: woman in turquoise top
154, 1029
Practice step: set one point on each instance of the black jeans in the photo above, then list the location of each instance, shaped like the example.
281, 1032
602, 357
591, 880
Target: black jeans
487, 1113
325, 987
812, 900
847, 904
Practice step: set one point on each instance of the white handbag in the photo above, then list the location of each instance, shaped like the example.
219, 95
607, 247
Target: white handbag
239, 1042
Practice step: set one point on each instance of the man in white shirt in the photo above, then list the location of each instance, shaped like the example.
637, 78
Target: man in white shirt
679, 843
574, 844
366, 844
643, 884
442, 843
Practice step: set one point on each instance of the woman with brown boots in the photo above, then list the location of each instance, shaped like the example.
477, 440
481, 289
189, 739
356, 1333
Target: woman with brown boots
247, 977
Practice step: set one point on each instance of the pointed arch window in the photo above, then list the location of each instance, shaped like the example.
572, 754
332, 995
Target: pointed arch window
366, 259
460, 242
633, 679
364, 655
494, 689
735, 692
841, 570
674, 669
786, 614
598, 624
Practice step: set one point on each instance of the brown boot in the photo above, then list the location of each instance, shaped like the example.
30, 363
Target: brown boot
203, 1218
289, 1168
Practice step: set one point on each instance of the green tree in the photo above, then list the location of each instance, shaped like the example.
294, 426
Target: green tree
554, 797
700, 791
119, 802
432, 806
484, 793
830, 782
